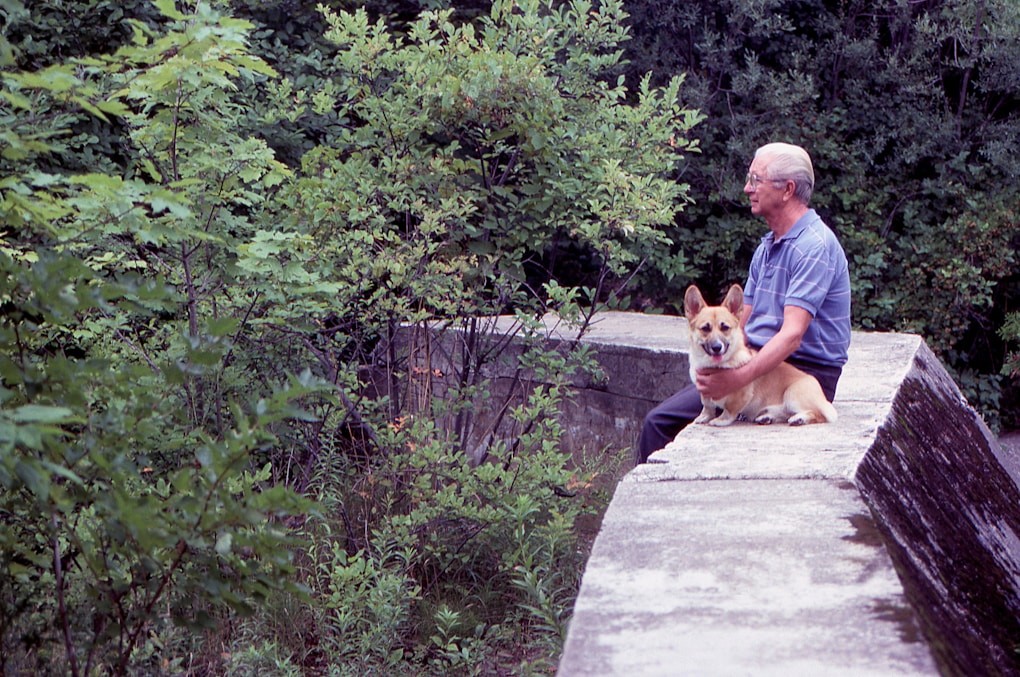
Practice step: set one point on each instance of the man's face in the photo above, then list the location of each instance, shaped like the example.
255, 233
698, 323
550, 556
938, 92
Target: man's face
765, 196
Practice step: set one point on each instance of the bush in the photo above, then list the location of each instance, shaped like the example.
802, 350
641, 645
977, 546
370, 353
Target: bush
134, 494
472, 151
192, 329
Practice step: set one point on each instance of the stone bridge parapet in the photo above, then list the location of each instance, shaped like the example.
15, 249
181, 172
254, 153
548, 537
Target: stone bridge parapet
887, 543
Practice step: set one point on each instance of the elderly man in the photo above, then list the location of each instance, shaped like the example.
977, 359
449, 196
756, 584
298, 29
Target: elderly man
796, 298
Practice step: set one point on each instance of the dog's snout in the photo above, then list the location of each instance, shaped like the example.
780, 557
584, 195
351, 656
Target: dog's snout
716, 347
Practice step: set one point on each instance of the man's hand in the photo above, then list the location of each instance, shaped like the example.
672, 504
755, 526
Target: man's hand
716, 384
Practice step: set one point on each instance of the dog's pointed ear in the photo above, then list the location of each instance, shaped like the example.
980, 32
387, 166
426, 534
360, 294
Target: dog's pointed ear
693, 302
734, 300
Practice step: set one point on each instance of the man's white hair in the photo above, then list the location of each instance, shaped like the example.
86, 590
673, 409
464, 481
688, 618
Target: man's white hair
785, 161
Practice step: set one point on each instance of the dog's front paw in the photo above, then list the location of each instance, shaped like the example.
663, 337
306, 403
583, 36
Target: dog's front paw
708, 412
764, 419
722, 421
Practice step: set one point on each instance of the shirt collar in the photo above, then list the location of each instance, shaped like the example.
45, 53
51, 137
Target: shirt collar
809, 218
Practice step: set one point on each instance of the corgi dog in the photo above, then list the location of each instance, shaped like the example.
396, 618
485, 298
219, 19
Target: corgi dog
717, 342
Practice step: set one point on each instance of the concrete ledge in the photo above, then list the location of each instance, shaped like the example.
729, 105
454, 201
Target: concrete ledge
755, 577
884, 544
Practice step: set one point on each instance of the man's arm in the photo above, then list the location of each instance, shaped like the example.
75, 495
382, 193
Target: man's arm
745, 315
717, 383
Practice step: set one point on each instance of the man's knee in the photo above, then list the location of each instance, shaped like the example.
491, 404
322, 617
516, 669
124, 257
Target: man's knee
653, 419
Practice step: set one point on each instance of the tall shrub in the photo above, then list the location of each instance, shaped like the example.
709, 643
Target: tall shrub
471, 151
134, 486
190, 327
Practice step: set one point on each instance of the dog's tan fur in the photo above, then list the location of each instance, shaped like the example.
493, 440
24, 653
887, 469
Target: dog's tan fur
717, 342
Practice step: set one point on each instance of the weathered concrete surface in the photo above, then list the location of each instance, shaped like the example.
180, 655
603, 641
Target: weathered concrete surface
950, 511
762, 577
1009, 452
771, 550
643, 359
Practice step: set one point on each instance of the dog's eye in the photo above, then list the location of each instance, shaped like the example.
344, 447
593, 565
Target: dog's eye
724, 326
706, 328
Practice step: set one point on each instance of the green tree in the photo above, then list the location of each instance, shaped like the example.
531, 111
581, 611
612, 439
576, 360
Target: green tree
472, 150
130, 494
157, 307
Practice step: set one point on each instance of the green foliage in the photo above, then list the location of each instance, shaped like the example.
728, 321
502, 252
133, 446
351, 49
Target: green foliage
368, 603
99, 541
475, 149
435, 546
266, 658
165, 277
1010, 332
224, 277
910, 113
39, 31
472, 150
124, 511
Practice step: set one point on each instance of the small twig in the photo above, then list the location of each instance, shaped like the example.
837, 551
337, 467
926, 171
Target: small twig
58, 572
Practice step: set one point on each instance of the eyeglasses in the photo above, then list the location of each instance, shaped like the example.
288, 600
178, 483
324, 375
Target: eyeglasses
754, 180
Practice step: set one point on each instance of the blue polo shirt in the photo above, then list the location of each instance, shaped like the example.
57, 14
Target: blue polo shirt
806, 268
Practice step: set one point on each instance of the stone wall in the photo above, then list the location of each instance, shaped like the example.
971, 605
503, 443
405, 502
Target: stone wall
887, 543
884, 544
949, 512
642, 359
